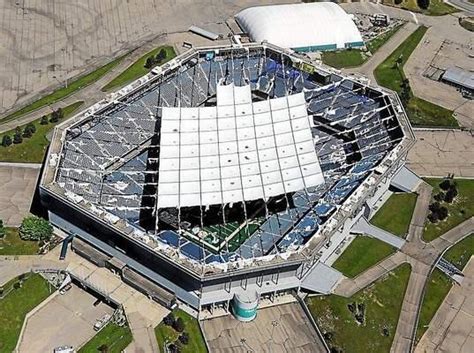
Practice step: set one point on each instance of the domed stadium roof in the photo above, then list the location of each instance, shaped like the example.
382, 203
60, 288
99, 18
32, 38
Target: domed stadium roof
303, 27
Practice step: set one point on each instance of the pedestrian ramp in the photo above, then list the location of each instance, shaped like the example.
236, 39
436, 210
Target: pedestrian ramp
364, 227
321, 279
406, 180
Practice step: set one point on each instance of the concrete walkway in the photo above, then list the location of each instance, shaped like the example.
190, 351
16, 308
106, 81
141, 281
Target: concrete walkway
349, 286
422, 258
363, 226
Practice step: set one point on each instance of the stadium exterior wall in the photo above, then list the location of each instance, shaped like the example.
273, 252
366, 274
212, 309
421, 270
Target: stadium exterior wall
170, 276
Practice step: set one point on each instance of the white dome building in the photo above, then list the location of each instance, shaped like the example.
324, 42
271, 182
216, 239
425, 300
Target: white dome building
301, 27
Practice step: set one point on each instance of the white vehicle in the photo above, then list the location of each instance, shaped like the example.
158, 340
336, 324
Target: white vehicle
64, 349
101, 322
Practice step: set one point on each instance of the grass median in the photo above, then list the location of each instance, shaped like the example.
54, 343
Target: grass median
16, 304
33, 149
138, 69
355, 57
365, 322
461, 209
435, 8
439, 285
390, 74
111, 339
363, 253
166, 334
12, 244
395, 214
63, 92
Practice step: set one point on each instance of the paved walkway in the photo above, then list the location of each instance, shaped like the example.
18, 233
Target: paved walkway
422, 257
365, 227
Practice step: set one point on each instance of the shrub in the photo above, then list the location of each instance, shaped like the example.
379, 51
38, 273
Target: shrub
6, 140
150, 62
44, 120
433, 217
445, 184
179, 325
103, 348
161, 55
442, 213
440, 196
184, 338
31, 127
434, 207
17, 138
169, 319
450, 195
27, 132
35, 228
423, 4
2, 229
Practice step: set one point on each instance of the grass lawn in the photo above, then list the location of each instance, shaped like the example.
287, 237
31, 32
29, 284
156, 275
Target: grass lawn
460, 253
461, 209
391, 75
437, 288
395, 215
356, 57
63, 92
387, 74
344, 58
15, 306
383, 302
33, 149
439, 284
362, 253
436, 8
11, 244
137, 69
168, 334
116, 338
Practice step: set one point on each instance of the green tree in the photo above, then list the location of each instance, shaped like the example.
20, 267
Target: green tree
2, 230
179, 325
161, 55
17, 137
35, 228
423, 4
6, 140
44, 120
29, 130
32, 127
149, 63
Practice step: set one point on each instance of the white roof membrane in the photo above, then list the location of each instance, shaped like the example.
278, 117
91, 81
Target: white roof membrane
236, 151
300, 25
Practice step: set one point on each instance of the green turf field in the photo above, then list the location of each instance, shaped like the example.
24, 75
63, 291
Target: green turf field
217, 234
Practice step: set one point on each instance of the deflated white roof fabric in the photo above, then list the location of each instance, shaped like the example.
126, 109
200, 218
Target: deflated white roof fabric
299, 25
236, 151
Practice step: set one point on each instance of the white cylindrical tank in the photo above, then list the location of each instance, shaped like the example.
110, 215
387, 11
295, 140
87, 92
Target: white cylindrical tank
244, 305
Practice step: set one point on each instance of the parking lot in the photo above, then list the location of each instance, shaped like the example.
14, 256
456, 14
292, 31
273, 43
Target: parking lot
65, 320
17, 187
441, 152
283, 328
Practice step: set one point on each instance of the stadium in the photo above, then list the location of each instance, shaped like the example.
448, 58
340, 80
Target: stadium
226, 175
